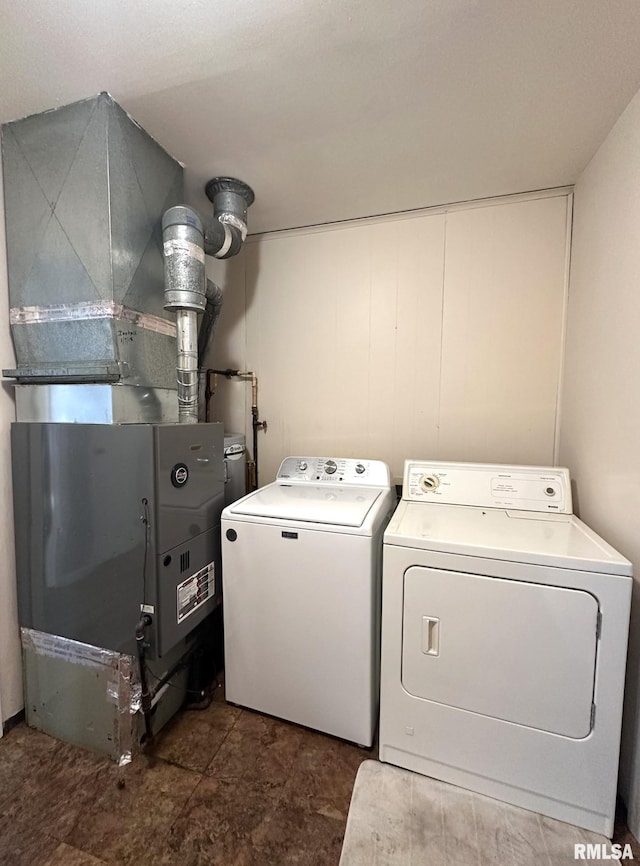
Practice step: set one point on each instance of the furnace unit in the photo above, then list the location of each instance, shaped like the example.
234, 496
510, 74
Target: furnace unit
112, 520
117, 489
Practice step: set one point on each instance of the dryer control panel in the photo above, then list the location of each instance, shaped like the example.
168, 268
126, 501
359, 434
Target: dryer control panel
517, 488
336, 470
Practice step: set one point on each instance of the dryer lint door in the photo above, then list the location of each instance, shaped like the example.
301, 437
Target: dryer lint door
516, 651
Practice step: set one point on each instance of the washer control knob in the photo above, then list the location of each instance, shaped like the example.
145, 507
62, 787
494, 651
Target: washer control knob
550, 491
359, 468
330, 467
303, 465
429, 483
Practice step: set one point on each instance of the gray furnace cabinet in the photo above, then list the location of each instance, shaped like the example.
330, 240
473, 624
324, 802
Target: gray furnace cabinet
113, 519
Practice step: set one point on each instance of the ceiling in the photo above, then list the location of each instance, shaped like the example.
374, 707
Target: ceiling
336, 109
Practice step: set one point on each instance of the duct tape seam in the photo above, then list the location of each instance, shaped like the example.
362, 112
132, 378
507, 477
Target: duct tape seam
236, 222
228, 240
53, 646
90, 310
126, 693
181, 247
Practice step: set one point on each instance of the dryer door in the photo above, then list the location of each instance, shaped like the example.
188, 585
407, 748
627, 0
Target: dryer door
521, 652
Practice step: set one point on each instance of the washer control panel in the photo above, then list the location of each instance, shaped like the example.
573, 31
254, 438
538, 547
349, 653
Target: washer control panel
518, 488
336, 470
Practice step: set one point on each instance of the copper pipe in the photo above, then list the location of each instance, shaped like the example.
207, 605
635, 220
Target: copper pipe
256, 424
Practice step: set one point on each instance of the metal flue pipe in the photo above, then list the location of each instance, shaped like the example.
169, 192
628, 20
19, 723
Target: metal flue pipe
226, 231
184, 292
187, 291
215, 296
187, 366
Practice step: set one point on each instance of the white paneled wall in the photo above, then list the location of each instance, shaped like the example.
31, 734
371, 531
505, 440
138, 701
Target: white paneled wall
502, 332
601, 394
435, 335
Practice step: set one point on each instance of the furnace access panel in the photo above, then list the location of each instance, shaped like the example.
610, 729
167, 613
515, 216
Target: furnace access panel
111, 520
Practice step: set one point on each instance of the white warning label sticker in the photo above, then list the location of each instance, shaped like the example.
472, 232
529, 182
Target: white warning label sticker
193, 592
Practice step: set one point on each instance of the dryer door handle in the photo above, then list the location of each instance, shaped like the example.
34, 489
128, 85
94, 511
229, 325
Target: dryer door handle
431, 635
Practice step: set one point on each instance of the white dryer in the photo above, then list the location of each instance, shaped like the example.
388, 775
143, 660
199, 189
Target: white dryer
302, 560
504, 637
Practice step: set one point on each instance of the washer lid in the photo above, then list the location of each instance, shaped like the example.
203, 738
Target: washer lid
336, 506
559, 540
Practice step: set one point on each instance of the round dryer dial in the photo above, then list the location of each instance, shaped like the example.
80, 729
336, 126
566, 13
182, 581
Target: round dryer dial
429, 483
330, 467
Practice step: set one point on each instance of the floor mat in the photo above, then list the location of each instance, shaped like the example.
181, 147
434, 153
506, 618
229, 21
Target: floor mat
399, 818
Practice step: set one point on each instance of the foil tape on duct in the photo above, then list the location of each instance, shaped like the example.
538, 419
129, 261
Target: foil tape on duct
90, 310
82, 694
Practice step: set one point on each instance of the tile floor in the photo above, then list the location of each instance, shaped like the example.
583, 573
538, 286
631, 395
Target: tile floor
220, 786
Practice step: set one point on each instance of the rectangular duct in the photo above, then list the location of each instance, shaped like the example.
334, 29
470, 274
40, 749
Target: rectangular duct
85, 190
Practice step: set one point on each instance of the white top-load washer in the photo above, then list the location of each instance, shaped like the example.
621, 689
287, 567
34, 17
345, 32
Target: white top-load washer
301, 561
504, 637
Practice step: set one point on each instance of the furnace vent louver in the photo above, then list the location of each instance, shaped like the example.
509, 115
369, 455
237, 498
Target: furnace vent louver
85, 190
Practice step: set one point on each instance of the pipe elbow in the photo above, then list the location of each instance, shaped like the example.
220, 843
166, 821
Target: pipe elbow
224, 236
226, 232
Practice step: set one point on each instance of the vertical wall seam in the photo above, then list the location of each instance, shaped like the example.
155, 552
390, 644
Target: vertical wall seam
394, 428
563, 329
370, 420
442, 296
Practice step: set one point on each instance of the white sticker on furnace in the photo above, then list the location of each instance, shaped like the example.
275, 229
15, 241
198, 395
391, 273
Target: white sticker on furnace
193, 592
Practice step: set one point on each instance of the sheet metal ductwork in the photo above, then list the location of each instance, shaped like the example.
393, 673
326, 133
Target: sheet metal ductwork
85, 189
186, 240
